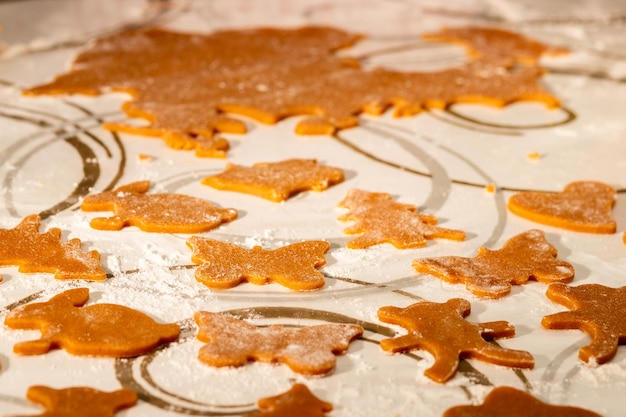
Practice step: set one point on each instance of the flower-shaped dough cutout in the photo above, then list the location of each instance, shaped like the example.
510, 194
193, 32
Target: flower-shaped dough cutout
511, 402
598, 311
582, 206
379, 219
308, 350
75, 401
225, 265
109, 330
441, 330
492, 272
272, 73
35, 252
298, 401
164, 213
276, 181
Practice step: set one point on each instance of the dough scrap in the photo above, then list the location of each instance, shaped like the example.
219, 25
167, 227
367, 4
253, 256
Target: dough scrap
198, 81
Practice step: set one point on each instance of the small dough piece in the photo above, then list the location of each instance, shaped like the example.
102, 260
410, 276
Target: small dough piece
225, 265
144, 157
109, 330
308, 350
598, 311
511, 402
162, 213
33, 252
298, 401
276, 181
379, 219
583, 206
441, 330
80, 401
491, 272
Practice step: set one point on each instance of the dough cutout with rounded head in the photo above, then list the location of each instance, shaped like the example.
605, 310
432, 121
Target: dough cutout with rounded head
597, 310
109, 330
511, 402
582, 206
441, 330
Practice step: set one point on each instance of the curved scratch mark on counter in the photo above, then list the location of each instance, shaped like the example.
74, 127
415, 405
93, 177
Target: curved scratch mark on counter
441, 183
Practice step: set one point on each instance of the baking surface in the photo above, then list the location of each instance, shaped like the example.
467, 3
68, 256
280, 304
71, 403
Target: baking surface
53, 152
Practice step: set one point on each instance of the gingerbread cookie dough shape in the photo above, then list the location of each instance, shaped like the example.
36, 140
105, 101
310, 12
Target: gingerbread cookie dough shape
582, 206
163, 213
225, 265
510, 402
597, 310
34, 252
109, 330
441, 330
492, 272
308, 350
75, 401
298, 401
276, 181
379, 219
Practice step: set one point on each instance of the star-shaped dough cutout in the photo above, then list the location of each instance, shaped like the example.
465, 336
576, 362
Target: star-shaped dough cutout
75, 401
308, 350
108, 330
163, 213
582, 206
379, 219
32, 252
298, 401
598, 311
441, 330
510, 402
492, 272
225, 265
276, 181
197, 81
